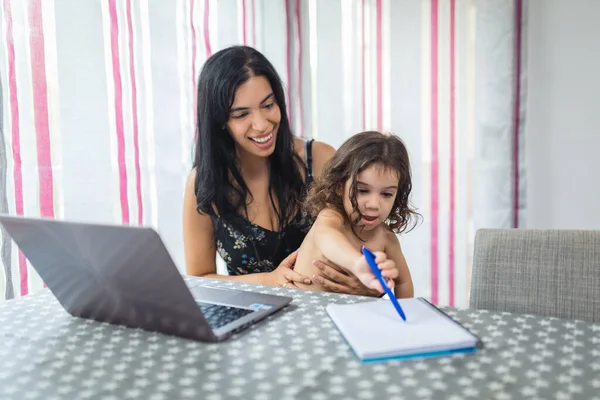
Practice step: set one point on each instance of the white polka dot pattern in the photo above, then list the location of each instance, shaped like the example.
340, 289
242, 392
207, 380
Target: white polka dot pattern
296, 353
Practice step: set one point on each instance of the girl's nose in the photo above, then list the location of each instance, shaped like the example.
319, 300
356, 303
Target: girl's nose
372, 203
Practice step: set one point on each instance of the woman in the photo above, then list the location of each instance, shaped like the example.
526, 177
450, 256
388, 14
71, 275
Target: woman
249, 177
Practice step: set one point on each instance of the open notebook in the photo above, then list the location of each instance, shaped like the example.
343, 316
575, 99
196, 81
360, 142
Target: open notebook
376, 332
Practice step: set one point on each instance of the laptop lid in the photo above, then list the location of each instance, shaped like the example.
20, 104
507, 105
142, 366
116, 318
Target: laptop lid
110, 273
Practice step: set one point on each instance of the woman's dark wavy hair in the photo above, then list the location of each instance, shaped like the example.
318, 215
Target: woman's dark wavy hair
354, 156
219, 187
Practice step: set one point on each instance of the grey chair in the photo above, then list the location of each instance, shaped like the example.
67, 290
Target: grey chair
552, 273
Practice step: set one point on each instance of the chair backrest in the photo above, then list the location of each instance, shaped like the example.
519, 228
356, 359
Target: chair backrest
552, 273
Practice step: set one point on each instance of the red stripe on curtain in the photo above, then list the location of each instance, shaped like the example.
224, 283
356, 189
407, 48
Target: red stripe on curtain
244, 22
379, 28
136, 135
194, 74
116, 69
516, 109
363, 62
452, 217
299, 53
206, 28
253, 23
40, 109
288, 60
15, 135
434, 154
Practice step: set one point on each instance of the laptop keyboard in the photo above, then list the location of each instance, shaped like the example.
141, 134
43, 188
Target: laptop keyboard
218, 316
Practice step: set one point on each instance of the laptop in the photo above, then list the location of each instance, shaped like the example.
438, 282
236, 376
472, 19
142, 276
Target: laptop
124, 275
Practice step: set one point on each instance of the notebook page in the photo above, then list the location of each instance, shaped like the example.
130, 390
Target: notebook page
374, 329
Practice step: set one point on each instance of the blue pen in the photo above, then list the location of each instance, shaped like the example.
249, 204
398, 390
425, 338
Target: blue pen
371, 261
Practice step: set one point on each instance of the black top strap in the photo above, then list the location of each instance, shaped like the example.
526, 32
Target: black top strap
308, 157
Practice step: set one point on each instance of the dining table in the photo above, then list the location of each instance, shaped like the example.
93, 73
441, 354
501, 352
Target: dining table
296, 353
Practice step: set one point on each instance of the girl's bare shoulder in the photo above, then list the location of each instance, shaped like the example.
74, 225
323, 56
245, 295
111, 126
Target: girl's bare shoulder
330, 213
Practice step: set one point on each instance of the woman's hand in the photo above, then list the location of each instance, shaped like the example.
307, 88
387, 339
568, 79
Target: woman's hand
284, 275
335, 279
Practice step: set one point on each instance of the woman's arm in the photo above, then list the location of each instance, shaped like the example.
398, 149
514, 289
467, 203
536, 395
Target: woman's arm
335, 279
404, 286
200, 251
198, 241
321, 153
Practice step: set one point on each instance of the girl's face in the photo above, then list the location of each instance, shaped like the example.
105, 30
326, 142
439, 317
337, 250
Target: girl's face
376, 189
254, 118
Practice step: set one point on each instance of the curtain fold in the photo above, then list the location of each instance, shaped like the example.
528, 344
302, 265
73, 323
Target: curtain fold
98, 107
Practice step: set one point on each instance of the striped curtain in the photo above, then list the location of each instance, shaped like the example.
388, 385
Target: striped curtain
98, 101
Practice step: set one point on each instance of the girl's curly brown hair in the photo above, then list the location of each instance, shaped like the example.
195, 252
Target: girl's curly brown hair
354, 156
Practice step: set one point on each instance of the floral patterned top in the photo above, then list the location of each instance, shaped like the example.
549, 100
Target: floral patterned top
255, 249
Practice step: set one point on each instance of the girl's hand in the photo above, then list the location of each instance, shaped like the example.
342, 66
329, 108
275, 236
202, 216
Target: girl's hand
363, 271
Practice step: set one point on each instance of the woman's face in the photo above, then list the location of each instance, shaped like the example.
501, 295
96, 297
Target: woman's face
254, 118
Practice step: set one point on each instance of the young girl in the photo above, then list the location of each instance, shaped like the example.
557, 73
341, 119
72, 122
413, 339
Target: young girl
361, 199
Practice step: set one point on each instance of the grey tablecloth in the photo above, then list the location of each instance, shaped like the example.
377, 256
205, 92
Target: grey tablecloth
297, 353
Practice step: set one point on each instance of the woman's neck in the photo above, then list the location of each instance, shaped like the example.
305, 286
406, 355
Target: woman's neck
252, 167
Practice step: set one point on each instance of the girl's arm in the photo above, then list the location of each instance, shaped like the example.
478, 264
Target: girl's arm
335, 246
332, 243
404, 285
